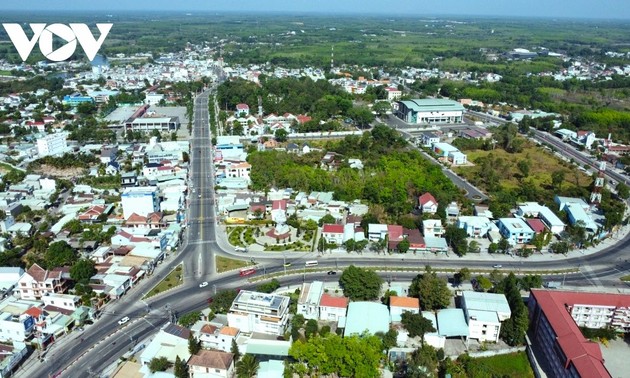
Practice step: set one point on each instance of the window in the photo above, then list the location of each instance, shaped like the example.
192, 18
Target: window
217, 370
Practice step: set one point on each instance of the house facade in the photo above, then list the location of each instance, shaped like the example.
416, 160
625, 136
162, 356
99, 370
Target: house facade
259, 312
38, 282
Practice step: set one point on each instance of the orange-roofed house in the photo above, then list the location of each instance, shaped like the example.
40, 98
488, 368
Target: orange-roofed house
332, 308
215, 335
398, 305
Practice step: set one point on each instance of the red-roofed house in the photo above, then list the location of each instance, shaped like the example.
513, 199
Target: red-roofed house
242, 109
332, 308
416, 240
333, 233
37, 282
427, 203
394, 236
153, 220
536, 225
92, 214
554, 320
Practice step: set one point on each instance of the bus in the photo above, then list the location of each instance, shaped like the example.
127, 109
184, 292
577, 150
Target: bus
311, 263
246, 272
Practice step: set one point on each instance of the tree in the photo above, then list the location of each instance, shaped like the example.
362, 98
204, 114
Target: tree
82, 271
281, 135
484, 283
432, 291
311, 328
362, 116
222, 301
557, 177
181, 368
59, 254
416, 324
235, 350
327, 219
389, 338
524, 167
529, 282
504, 245
381, 107
247, 367
513, 330
189, 319
559, 247
269, 287
403, 246
623, 191
493, 248
159, 364
360, 284
194, 345
462, 275
456, 238
473, 246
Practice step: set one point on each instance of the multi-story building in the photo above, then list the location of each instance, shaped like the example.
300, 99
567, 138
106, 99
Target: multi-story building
52, 144
37, 282
423, 111
240, 170
259, 312
153, 123
215, 335
333, 233
476, 227
15, 327
515, 230
484, 314
308, 302
555, 317
140, 200
432, 228
332, 308
211, 364
551, 220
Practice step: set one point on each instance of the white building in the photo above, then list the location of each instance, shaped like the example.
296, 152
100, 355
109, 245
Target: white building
240, 170
308, 302
377, 231
398, 305
332, 308
65, 301
215, 335
153, 123
551, 220
393, 94
333, 233
140, 200
432, 228
170, 342
423, 111
211, 364
476, 227
153, 98
259, 312
484, 314
52, 144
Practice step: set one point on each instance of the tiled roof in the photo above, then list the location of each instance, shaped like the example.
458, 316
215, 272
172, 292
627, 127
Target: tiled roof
35, 312
406, 302
229, 331
212, 359
333, 228
426, 198
330, 301
208, 328
37, 272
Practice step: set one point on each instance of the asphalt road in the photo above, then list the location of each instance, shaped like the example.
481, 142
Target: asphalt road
105, 341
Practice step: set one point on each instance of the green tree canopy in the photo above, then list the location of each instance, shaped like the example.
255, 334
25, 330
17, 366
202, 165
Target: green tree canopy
247, 367
82, 271
432, 291
59, 254
416, 324
360, 284
187, 320
222, 301
159, 364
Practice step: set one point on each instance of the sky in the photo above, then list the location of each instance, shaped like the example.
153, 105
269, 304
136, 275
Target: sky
606, 9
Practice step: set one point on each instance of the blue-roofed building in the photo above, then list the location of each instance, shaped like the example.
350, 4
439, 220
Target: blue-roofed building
76, 99
433, 338
576, 213
484, 314
366, 316
515, 230
452, 323
429, 110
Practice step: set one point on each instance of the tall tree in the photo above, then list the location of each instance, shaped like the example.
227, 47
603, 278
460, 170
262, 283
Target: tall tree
159, 364
180, 368
82, 271
59, 254
432, 291
247, 367
557, 178
235, 350
360, 284
416, 324
194, 345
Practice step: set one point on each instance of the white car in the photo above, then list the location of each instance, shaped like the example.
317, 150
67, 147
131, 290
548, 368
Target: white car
123, 320
203, 284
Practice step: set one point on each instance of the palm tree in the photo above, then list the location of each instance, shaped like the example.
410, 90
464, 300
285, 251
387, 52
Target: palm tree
247, 366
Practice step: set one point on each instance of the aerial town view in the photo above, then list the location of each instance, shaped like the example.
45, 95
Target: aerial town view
331, 189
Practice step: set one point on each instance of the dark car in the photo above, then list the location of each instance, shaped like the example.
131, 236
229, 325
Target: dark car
331, 272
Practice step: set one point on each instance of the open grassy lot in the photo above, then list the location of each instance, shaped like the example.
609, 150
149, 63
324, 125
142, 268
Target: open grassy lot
225, 264
542, 163
514, 365
173, 279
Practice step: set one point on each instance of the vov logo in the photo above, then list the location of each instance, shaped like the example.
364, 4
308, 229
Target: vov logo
44, 34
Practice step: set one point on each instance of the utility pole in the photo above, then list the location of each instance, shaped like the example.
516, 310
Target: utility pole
214, 289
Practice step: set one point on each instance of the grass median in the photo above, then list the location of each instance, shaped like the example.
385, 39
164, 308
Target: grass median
173, 279
226, 264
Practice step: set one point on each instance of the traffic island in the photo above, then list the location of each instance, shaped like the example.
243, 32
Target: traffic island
172, 280
226, 264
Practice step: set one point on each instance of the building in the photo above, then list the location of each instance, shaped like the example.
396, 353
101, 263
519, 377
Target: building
153, 123
393, 94
515, 230
332, 308
213, 335
576, 213
240, 170
259, 312
450, 153
170, 342
333, 233
76, 99
308, 302
424, 111
377, 231
476, 227
242, 110
428, 139
398, 305
484, 314
432, 228
140, 200
211, 364
52, 144
10, 357
427, 203
153, 98
38, 282
554, 320
551, 220
366, 316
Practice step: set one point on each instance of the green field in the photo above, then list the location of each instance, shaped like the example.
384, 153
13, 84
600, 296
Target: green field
226, 264
514, 365
173, 279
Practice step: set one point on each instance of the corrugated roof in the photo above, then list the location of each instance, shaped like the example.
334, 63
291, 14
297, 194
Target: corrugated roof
452, 322
362, 316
